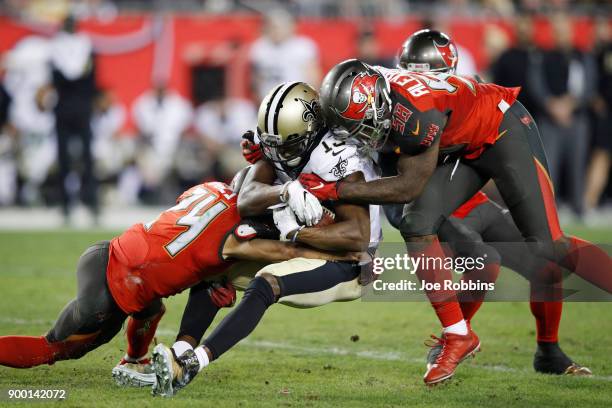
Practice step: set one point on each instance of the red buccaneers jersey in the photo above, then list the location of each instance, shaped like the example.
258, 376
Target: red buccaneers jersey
421, 102
175, 251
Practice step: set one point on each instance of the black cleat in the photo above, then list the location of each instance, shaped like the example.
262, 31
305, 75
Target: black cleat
550, 359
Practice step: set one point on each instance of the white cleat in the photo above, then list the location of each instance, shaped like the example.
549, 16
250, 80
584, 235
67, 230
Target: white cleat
139, 374
164, 368
173, 373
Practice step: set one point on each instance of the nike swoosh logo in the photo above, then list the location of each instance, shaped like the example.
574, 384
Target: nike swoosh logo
320, 186
416, 131
337, 153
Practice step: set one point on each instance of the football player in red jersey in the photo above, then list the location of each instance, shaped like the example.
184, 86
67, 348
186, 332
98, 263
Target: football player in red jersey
433, 51
481, 133
197, 238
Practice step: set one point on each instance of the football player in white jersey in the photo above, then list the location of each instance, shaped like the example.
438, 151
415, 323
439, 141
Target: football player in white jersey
293, 139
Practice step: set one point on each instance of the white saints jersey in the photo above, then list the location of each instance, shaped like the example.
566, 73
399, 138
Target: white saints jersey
334, 159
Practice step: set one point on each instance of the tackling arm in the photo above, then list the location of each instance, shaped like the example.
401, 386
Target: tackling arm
413, 174
351, 232
257, 192
270, 251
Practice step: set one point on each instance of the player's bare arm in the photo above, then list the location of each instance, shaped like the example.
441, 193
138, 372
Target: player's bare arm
270, 251
257, 192
351, 232
413, 174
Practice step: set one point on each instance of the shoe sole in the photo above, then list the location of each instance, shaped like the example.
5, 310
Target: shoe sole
128, 378
471, 354
162, 367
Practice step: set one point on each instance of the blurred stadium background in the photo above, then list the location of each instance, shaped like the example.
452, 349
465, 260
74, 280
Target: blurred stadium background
106, 116
109, 109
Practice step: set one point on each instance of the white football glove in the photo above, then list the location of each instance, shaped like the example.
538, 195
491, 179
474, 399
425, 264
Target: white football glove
285, 221
306, 206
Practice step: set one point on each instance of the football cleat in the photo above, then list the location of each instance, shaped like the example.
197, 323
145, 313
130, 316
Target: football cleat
550, 359
454, 349
435, 347
173, 373
134, 374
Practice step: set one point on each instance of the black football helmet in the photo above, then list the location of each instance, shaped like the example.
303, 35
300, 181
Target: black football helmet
429, 51
355, 100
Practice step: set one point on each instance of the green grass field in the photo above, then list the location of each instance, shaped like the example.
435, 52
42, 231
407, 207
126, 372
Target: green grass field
307, 357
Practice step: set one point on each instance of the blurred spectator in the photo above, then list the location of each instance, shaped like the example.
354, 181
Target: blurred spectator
161, 116
74, 81
31, 119
36, 147
512, 66
563, 82
7, 168
220, 124
368, 50
599, 167
111, 150
280, 55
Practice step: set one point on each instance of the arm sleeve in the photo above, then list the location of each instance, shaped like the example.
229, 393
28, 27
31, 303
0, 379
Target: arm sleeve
421, 132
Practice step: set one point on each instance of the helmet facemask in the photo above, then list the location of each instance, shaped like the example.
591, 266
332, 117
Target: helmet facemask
290, 152
372, 130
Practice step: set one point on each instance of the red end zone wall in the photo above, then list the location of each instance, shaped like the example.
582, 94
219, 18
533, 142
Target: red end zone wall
191, 38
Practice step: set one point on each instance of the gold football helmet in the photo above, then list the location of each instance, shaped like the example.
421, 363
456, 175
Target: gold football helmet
288, 121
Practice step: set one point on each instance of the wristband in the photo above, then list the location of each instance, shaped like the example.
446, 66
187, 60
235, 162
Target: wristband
283, 192
294, 238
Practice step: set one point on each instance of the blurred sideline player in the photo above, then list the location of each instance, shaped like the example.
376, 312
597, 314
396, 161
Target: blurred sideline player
128, 276
294, 140
485, 134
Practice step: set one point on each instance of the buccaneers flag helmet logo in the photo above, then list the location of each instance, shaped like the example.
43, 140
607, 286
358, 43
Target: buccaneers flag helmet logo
448, 52
363, 92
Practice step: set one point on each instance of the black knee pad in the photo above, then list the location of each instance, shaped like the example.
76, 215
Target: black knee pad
262, 288
417, 224
490, 254
394, 212
544, 249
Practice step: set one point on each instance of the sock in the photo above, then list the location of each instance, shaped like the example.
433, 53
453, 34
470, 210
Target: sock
140, 333
590, 263
202, 357
548, 318
25, 351
546, 301
199, 313
31, 351
470, 301
443, 301
243, 319
457, 328
180, 347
